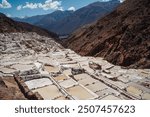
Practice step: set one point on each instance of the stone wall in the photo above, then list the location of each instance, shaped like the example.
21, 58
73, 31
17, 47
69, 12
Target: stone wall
26, 91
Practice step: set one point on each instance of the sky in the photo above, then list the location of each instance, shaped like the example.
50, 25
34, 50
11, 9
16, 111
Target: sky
27, 8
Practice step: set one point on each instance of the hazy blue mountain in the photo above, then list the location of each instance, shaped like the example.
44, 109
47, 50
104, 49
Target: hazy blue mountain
51, 19
65, 22
85, 15
30, 20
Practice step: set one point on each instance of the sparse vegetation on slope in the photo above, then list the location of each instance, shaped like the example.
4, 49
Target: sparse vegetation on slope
122, 37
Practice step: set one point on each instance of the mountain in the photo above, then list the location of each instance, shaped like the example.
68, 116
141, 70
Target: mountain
9, 25
53, 18
30, 20
82, 16
122, 37
65, 22
44, 20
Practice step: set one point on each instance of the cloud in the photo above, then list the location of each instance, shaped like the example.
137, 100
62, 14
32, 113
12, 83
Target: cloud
122, 1
49, 4
105, 0
71, 8
8, 15
110, 0
30, 5
5, 4
19, 7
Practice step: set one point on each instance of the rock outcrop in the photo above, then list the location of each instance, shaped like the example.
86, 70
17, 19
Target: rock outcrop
122, 37
9, 90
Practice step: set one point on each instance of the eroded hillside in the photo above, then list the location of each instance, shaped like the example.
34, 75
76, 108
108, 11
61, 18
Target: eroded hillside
122, 37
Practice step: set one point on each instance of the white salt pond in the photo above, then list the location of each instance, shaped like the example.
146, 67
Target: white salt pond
37, 83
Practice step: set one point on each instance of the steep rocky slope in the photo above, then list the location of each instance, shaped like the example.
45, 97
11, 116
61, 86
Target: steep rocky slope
9, 25
122, 37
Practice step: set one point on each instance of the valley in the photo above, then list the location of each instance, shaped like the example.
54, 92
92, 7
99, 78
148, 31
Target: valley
44, 69
66, 22
98, 52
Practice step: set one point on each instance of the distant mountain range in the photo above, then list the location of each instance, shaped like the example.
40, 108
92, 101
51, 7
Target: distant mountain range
44, 20
122, 37
9, 25
65, 22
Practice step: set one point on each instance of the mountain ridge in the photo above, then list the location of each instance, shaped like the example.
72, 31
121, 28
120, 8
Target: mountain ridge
9, 25
78, 18
121, 37
69, 21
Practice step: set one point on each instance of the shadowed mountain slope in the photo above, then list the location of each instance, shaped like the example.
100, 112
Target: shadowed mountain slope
122, 37
9, 25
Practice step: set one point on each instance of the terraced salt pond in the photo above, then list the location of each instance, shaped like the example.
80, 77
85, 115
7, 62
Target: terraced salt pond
38, 83
51, 68
59, 74
49, 92
80, 93
60, 78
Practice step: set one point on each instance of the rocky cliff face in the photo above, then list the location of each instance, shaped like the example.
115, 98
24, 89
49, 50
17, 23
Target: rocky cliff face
122, 37
9, 25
